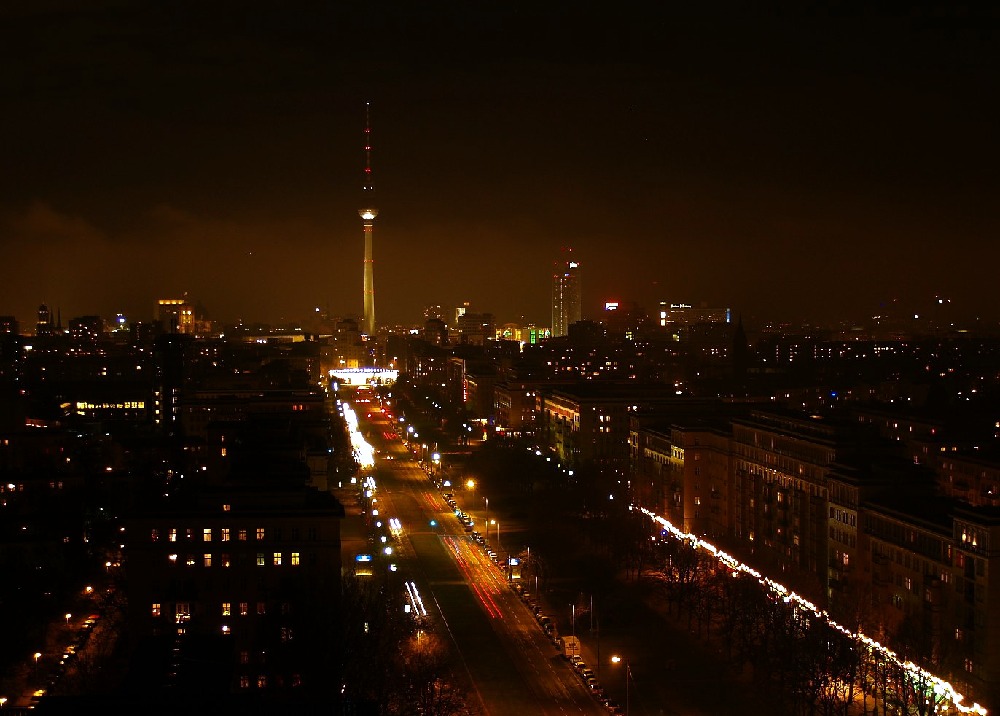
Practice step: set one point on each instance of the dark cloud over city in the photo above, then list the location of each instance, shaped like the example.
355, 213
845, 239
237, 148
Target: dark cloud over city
787, 164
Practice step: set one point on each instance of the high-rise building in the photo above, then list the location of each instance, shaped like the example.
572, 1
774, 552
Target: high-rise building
368, 212
44, 325
176, 315
566, 293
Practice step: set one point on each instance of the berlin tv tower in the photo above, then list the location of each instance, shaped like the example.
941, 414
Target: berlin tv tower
368, 212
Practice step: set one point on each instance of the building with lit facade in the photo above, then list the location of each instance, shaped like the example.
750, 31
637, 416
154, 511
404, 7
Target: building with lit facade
588, 423
176, 315
567, 302
473, 329
514, 406
529, 335
236, 591
844, 520
685, 314
88, 329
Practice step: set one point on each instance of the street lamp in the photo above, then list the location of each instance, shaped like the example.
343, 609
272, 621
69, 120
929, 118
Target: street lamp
38, 655
487, 520
68, 616
628, 675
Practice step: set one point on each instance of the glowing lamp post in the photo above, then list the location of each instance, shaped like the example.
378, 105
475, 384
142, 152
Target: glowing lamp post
628, 675
68, 617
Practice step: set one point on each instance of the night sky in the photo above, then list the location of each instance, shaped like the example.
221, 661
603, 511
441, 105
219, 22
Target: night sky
789, 164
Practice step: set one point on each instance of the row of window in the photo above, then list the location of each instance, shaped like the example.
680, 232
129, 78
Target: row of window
261, 681
182, 610
225, 560
226, 534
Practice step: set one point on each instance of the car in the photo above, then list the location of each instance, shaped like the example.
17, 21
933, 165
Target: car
577, 662
586, 674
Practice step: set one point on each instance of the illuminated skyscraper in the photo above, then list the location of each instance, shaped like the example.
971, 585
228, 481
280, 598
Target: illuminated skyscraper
176, 315
368, 212
566, 303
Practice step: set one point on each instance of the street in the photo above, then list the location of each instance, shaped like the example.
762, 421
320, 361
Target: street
502, 652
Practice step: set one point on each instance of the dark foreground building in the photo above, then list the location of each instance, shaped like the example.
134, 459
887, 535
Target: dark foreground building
234, 601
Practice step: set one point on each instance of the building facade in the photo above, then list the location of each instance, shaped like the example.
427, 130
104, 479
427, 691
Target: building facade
567, 305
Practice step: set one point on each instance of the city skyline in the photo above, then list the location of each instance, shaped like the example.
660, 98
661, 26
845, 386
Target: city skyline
789, 167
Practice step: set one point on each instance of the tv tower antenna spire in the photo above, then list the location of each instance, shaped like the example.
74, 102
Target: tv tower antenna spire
368, 212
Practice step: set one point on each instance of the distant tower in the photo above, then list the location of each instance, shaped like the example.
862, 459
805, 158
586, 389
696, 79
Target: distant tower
44, 325
368, 212
566, 302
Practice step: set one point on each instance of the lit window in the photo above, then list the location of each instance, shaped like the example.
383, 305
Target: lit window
261, 559
243, 609
277, 559
260, 533
295, 559
244, 682
262, 682
227, 508
156, 609
154, 535
227, 609
224, 534
173, 535
242, 536
206, 534
225, 560
208, 560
